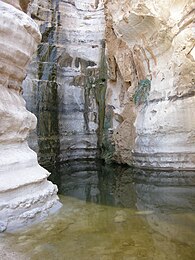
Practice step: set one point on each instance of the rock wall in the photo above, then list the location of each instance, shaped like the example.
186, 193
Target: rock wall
150, 96
65, 84
150, 89
25, 194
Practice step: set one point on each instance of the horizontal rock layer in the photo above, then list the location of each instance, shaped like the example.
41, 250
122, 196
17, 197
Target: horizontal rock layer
62, 85
150, 49
25, 194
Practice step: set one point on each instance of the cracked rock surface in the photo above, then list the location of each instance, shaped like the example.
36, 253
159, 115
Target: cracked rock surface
154, 41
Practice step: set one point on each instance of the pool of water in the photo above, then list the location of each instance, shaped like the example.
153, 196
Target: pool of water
115, 213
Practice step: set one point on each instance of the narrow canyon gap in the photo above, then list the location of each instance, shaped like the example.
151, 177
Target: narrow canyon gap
110, 79
144, 117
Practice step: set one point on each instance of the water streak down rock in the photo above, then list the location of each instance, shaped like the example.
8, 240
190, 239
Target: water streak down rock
152, 41
65, 79
25, 194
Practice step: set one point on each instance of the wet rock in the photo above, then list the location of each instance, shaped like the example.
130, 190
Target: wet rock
120, 216
3, 226
62, 83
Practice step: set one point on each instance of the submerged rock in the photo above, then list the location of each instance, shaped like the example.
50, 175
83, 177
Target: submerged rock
3, 226
121, 216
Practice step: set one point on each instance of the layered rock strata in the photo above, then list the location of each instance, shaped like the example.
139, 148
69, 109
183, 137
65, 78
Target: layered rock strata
150, 49
25, 194
64, 84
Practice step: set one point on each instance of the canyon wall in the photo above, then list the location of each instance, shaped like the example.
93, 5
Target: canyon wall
65, 84
147, 119
25, 194
150, 98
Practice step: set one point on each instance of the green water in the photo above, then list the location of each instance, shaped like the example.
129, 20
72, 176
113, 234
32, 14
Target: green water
115, 213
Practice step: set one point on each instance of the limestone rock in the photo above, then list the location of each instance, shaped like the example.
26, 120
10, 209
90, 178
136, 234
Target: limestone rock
62, 83
25, 194
154, 41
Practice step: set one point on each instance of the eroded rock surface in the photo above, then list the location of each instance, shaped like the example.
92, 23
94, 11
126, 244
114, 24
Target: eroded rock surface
150, 50
25, 194
64, 83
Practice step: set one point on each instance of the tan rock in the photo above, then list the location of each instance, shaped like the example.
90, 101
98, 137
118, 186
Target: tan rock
149, 40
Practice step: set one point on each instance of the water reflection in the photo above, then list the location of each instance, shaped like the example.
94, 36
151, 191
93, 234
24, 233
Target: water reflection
95, 182
166, 199
171, 198
113, 212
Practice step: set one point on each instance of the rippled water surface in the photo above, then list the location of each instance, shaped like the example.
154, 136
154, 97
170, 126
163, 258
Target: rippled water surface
115, 213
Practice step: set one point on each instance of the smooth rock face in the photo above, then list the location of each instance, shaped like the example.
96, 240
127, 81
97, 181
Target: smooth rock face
25, 194
150, 48
64, 80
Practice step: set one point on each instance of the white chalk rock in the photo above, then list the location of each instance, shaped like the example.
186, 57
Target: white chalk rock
25, 194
